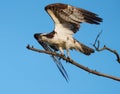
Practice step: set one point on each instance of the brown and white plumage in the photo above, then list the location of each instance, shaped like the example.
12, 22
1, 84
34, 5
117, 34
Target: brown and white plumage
67, 21
70, 17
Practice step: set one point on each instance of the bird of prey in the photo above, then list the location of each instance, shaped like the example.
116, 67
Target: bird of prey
67, 20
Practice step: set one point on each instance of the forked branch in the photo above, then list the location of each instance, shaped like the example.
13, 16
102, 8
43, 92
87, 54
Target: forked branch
96, 45
74, 63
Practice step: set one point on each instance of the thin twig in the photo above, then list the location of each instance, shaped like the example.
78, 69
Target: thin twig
74, 63
96, 40
97, 48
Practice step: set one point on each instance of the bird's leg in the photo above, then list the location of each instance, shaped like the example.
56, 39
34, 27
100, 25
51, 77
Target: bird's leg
68, 54
61, 51
67, 48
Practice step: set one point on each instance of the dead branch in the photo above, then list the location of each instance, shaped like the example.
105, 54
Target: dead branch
74, 63
96, 45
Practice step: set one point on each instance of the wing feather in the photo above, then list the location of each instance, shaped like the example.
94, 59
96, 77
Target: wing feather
67, 14
55, 59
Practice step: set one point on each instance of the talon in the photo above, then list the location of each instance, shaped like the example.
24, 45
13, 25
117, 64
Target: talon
68, 59
62, 55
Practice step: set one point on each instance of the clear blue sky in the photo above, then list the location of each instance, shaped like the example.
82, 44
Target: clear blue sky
27, 72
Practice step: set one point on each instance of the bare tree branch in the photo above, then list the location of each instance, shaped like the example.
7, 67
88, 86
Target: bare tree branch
96, 45
74, 63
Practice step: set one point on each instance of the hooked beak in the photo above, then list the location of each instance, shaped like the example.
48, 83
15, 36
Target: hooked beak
37, 35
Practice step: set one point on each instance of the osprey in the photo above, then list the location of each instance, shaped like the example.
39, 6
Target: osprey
67, 20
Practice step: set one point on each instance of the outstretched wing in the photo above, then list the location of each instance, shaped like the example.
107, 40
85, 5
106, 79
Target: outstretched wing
55, 58
70, 17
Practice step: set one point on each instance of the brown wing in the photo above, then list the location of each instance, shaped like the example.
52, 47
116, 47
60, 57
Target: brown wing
70, 15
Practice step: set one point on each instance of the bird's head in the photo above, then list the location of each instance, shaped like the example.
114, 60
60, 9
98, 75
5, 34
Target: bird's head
40, 36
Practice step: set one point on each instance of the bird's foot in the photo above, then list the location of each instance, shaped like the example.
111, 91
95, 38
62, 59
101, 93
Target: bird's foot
68, 59
62, 55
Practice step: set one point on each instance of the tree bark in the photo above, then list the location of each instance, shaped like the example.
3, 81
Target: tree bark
77, 64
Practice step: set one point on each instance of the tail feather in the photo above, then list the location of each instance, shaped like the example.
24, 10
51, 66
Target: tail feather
83, 48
